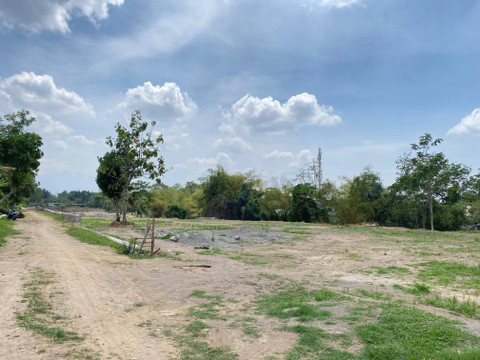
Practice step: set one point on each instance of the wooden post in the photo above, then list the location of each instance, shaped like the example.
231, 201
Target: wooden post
146, 234
152, 245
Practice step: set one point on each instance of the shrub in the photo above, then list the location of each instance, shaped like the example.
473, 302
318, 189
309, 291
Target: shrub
175, 211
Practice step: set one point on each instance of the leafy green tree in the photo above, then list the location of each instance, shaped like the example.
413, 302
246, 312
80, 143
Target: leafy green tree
426, 177
274, 204
304, 206
20, 153
136, 155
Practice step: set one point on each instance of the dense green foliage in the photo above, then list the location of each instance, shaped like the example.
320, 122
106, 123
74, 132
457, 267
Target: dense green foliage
19, 156
175, 211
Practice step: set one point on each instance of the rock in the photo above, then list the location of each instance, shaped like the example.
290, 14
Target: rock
174, 238
203, 247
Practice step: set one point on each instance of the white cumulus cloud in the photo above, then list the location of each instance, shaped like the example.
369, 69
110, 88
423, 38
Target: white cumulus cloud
234, 144
50, 126
81, 139
220, 158
470, 124
294, 159
269, 115
39, 93
165, 104
275, 154
34, 16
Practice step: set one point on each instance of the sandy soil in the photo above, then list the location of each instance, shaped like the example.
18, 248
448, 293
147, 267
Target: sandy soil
106, 297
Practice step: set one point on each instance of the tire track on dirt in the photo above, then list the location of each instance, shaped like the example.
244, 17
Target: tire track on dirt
96, 290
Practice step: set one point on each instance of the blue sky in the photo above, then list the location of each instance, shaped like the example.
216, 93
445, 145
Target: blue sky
246, 84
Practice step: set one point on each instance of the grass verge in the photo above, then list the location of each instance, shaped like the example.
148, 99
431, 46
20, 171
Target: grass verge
39, 316
6, 229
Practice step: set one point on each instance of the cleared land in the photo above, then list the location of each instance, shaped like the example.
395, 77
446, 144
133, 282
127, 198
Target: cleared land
273, 291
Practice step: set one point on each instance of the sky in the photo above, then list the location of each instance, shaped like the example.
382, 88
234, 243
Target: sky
246, 84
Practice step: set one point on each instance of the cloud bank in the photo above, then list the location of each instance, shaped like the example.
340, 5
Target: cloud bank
165, 104
270, 116
39, 93
34, 16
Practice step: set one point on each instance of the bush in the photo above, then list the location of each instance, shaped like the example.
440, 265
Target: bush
157, 208
175, 211
449, 217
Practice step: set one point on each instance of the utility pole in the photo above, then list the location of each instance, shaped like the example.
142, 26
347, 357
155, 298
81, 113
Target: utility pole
319, 160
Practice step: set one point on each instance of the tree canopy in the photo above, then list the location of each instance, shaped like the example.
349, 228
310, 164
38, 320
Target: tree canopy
135, 155
20, 154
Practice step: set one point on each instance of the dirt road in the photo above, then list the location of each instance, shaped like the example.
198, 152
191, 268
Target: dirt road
101, 295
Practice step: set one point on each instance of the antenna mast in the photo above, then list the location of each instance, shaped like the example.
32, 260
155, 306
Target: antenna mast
319, 159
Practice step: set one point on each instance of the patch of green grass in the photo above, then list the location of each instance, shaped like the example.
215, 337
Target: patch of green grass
196, 327
247, 326
373, 294
310, 345
94, 223
467, 307
415, 289
6, 230
39, 316
391, 270
145, 323
354, 256
92, 238
82, 354
167, 236
214, 251
193, 349
250, 258
54, 216
407, 333
299, 231
297, 303
202, 294
268, 276
208, 310
444, 273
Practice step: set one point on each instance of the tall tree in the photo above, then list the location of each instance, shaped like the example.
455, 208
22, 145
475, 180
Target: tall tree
137, 155
20, 152
110, 180
426, 175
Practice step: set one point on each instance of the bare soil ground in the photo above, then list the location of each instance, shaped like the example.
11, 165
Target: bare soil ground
137, 309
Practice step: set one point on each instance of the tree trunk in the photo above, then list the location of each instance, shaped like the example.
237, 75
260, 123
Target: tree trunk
431, 211
13, 189
424, 217
117, 212
8, 196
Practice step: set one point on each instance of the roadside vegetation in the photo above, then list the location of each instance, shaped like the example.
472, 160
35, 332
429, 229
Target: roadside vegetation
6, 230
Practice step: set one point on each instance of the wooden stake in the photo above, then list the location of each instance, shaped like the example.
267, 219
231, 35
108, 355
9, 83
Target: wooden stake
152, 245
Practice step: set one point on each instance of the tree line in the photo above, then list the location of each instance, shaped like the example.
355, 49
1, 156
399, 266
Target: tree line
429, 191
